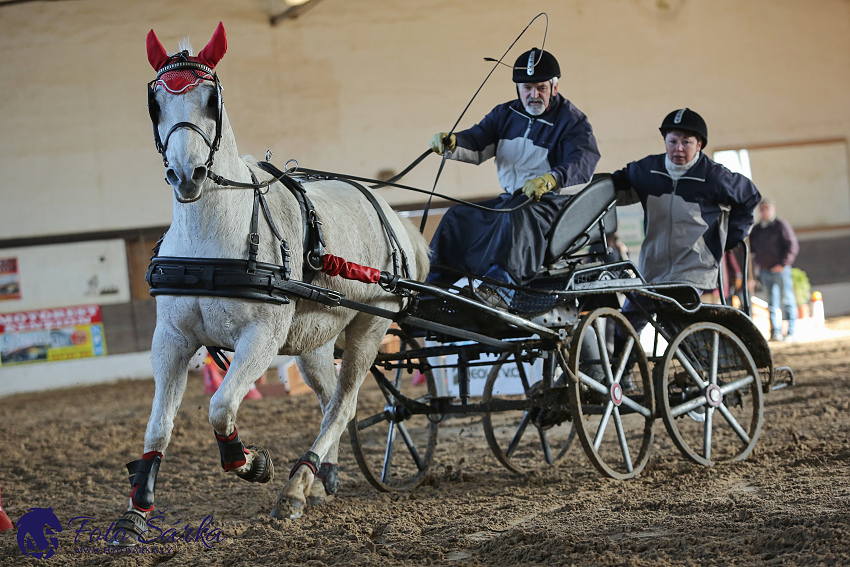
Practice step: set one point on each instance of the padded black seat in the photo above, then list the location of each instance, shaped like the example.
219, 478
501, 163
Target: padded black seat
586, 217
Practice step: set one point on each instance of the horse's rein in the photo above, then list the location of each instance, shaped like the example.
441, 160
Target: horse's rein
342, 176
225, 182
330, 176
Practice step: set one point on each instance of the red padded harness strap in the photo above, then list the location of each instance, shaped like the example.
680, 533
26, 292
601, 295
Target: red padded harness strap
336, 266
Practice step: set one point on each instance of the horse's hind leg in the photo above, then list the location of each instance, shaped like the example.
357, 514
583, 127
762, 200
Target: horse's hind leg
363, 337
320, 373
253, 355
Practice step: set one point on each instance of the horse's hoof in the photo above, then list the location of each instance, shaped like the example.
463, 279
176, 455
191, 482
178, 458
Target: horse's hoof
286, 511
262, 468
128, 528
319, 499
288, 507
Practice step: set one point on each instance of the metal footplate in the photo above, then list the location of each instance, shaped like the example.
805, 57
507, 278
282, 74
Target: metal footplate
783, 377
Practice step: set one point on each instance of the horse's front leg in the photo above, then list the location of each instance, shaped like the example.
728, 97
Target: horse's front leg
363, 337
170, 354
254, 353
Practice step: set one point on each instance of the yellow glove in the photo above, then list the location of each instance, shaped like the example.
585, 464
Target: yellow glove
439, 144
534, 188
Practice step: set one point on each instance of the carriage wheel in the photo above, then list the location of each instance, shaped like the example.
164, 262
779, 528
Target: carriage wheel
521, 440
710, 395
611, 397
393, 448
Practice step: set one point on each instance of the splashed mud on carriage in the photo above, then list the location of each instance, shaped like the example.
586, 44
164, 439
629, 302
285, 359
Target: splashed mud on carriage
260, 261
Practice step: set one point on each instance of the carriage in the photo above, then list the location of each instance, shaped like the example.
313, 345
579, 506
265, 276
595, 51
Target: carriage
260, 262
552, 373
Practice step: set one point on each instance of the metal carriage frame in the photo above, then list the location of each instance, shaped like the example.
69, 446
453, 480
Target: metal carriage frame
706, 383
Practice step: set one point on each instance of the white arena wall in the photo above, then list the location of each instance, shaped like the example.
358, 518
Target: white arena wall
360, 87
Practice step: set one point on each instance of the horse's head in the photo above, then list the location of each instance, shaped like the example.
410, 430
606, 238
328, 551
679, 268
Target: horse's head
186, 109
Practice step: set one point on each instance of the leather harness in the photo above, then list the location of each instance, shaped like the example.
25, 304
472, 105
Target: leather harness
251, 279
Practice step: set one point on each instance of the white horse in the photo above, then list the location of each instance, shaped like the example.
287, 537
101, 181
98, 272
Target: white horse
212, 221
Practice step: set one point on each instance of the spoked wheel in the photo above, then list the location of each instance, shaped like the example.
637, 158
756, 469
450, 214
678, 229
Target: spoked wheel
611, 397
394, 448
524, 440
710, 395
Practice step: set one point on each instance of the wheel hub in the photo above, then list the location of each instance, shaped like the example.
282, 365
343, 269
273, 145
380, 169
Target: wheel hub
396, 414
713, 395
616, 393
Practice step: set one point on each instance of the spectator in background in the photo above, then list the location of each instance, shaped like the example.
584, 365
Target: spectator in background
774, 247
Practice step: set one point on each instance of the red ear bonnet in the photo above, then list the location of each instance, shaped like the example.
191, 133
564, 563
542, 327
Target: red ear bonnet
179, 80
215, 49
156, 52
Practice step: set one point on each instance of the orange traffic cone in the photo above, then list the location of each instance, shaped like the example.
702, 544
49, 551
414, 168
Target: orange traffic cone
817, 310
253, 393
5, 522
212, 376
418, 378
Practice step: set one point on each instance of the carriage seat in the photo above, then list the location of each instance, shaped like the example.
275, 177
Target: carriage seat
588, 217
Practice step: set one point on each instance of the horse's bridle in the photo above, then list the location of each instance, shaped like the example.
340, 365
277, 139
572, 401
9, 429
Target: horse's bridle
181, 62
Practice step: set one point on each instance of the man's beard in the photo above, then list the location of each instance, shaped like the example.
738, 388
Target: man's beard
535, 109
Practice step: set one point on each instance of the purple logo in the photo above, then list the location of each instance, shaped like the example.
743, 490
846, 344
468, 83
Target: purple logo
36, 531
38, 528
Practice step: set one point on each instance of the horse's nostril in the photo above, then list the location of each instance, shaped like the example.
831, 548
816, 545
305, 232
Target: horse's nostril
172, 177
199, 174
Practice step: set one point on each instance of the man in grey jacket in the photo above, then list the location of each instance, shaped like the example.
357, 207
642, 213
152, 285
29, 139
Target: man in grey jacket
694, 208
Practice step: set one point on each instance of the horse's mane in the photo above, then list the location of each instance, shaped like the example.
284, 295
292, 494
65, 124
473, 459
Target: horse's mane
185, 44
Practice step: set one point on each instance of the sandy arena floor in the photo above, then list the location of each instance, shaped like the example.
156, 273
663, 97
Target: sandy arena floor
785, 505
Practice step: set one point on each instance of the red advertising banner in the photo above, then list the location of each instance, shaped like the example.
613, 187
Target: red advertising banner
51, 334
10, 279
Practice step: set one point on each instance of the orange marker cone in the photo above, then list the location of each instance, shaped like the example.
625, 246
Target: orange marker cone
212, 376
5, 522
817, 310
418, 378
253, 393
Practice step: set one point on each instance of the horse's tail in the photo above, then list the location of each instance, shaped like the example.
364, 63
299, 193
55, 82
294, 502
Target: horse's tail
421, 251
